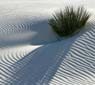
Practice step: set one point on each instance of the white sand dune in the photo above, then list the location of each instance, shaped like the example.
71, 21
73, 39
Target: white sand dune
78, 66
34, 67
30, 53
8, 57
59, 63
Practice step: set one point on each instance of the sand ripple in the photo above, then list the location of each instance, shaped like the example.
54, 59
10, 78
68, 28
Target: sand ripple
8, 57
78, 68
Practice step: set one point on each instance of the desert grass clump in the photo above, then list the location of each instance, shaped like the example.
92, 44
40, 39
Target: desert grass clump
69, 21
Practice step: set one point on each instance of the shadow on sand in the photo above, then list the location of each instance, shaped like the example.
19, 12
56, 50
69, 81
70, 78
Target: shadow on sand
27, 31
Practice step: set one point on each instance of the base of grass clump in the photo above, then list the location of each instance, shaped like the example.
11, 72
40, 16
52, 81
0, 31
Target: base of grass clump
69, 22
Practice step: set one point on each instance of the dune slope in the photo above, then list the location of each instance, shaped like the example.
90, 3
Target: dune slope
30, 53
79, 64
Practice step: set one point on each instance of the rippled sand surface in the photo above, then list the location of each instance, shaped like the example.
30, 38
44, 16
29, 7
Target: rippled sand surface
30, 53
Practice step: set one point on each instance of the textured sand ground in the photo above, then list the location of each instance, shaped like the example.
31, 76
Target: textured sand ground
30, 53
